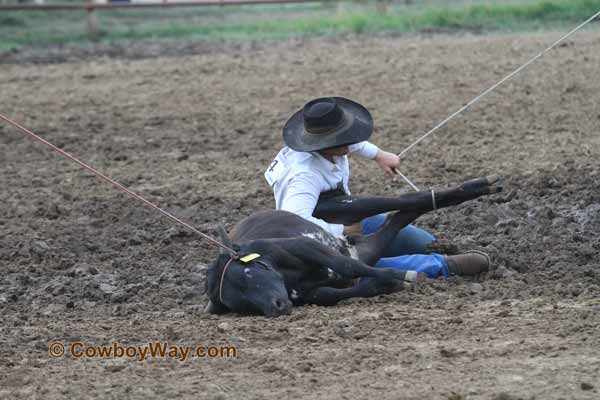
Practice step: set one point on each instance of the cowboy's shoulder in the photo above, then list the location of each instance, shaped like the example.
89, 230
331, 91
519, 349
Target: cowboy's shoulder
304, 171
296, 161
287, 163
296, 157
302, 167
307, 166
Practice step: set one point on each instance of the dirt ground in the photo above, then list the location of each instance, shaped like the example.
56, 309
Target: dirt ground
194, 130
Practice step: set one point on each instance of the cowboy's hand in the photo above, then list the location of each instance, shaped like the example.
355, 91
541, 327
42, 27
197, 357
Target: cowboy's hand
388, 162
352, 230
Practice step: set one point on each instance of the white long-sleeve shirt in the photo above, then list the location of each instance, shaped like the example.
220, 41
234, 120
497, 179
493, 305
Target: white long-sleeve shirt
298, 178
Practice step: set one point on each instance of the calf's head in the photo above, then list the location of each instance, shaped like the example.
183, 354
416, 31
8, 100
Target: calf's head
253, 287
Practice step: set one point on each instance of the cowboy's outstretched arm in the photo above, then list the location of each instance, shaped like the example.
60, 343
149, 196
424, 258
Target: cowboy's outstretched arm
387, 161
364, 149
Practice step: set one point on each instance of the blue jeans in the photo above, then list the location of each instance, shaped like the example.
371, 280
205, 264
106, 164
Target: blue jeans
403, 252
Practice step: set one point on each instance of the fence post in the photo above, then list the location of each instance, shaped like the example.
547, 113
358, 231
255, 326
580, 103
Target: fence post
92, 21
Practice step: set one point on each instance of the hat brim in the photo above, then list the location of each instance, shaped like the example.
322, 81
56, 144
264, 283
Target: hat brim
358, 128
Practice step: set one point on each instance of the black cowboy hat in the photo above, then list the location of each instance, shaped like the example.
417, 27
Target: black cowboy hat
327, 122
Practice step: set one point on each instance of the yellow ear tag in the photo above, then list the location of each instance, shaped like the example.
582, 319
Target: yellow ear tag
249, 257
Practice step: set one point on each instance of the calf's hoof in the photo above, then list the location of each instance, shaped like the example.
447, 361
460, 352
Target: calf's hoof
413, 280
414, 277
399, 286
488, 185
470, 263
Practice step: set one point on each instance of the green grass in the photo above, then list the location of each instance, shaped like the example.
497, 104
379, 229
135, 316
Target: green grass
502, 16
42, 28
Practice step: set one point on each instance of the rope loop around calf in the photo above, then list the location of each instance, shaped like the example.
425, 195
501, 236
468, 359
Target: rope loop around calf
232, 257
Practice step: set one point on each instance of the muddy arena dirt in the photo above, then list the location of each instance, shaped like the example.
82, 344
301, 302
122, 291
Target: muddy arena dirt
194, 130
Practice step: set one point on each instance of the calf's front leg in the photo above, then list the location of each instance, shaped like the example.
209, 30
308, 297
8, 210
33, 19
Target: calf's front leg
328, 296
313, 253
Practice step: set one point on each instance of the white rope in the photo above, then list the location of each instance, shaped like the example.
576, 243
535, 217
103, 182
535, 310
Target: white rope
476, 99
412, 185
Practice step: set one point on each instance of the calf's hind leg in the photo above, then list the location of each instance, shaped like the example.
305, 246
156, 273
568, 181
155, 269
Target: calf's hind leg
351, 209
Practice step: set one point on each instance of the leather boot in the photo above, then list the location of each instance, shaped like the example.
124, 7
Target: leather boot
472, 262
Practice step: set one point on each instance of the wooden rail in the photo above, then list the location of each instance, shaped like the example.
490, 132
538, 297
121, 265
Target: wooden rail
89, 6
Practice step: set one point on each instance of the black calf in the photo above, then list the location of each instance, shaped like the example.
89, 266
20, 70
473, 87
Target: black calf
288, 260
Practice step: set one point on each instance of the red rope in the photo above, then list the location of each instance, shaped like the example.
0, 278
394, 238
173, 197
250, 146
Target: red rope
115, 183
223, 277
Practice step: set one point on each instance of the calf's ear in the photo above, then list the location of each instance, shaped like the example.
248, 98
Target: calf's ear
215, 308
224, 238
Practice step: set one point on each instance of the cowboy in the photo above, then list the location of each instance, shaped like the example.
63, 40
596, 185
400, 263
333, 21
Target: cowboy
314, 161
